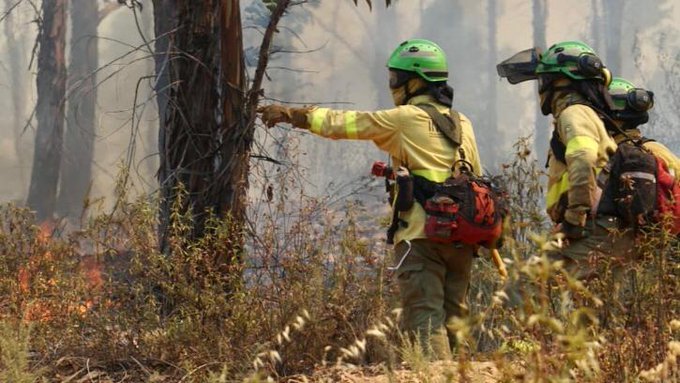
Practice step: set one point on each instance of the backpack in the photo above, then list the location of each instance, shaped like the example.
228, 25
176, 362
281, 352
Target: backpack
629, 185
464, 208
638, 187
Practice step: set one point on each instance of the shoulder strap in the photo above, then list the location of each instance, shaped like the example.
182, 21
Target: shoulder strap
449, 126
559, 150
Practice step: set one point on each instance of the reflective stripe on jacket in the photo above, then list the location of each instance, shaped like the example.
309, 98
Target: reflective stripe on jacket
588, 147
412, 140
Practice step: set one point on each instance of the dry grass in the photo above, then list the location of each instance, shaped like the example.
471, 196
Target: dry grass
313, 301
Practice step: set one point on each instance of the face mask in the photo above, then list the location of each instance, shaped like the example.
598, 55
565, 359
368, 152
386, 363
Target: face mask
399, 95
411, 88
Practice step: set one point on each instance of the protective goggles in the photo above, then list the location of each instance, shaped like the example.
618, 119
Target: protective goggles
637, 99
520, 67
399, 78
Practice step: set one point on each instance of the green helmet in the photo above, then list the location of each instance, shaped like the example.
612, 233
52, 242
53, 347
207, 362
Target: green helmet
573, 59
423, 57
627, 96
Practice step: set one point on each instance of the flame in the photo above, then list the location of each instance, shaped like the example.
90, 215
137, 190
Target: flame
41, 310
46, 230
92, 269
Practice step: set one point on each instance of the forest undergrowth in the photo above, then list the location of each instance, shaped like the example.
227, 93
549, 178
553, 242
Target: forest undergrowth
313, 299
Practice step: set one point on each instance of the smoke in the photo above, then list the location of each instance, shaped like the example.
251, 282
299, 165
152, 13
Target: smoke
333, 53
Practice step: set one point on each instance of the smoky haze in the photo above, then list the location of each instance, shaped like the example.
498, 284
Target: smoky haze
333, 53
122, 62
346, 48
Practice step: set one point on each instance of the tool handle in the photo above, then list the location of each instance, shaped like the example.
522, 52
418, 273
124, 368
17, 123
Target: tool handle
498, 261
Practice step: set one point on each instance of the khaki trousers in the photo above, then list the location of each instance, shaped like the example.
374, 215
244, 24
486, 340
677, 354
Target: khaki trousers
433, 282
605, 246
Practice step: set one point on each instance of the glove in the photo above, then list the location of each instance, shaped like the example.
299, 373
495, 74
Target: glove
572, 231
274, 114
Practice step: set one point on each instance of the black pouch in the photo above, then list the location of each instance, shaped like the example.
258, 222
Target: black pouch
405, 199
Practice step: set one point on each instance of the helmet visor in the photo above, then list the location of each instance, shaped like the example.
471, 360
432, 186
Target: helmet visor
520, 67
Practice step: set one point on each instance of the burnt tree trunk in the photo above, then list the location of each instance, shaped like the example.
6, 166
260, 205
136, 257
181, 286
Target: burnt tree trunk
51, 83
540, 14
76, 167
207, 119
165, 22
190, 127
236, 135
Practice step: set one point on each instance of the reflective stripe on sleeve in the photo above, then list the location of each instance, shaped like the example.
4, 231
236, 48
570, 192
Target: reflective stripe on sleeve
581, 143
351, 125
318, 117
432, 175
560, 187
556, 190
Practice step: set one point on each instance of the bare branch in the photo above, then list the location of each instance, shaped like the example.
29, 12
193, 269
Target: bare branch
9, 11
263, 60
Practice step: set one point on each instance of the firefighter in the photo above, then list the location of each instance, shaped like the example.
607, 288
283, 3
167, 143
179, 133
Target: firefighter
631, 107
572, 85
433, 278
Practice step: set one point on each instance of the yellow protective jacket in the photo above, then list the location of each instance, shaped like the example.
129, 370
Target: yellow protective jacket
572, 186
412, 140
658, 149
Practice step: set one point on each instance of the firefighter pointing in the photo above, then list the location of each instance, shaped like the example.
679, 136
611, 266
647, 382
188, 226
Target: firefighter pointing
428, 142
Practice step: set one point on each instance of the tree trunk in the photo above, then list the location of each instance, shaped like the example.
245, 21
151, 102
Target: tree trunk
51, 86
151, 127
540, 14
191, 138
165, 22
17, 83
229, 190
76, 168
